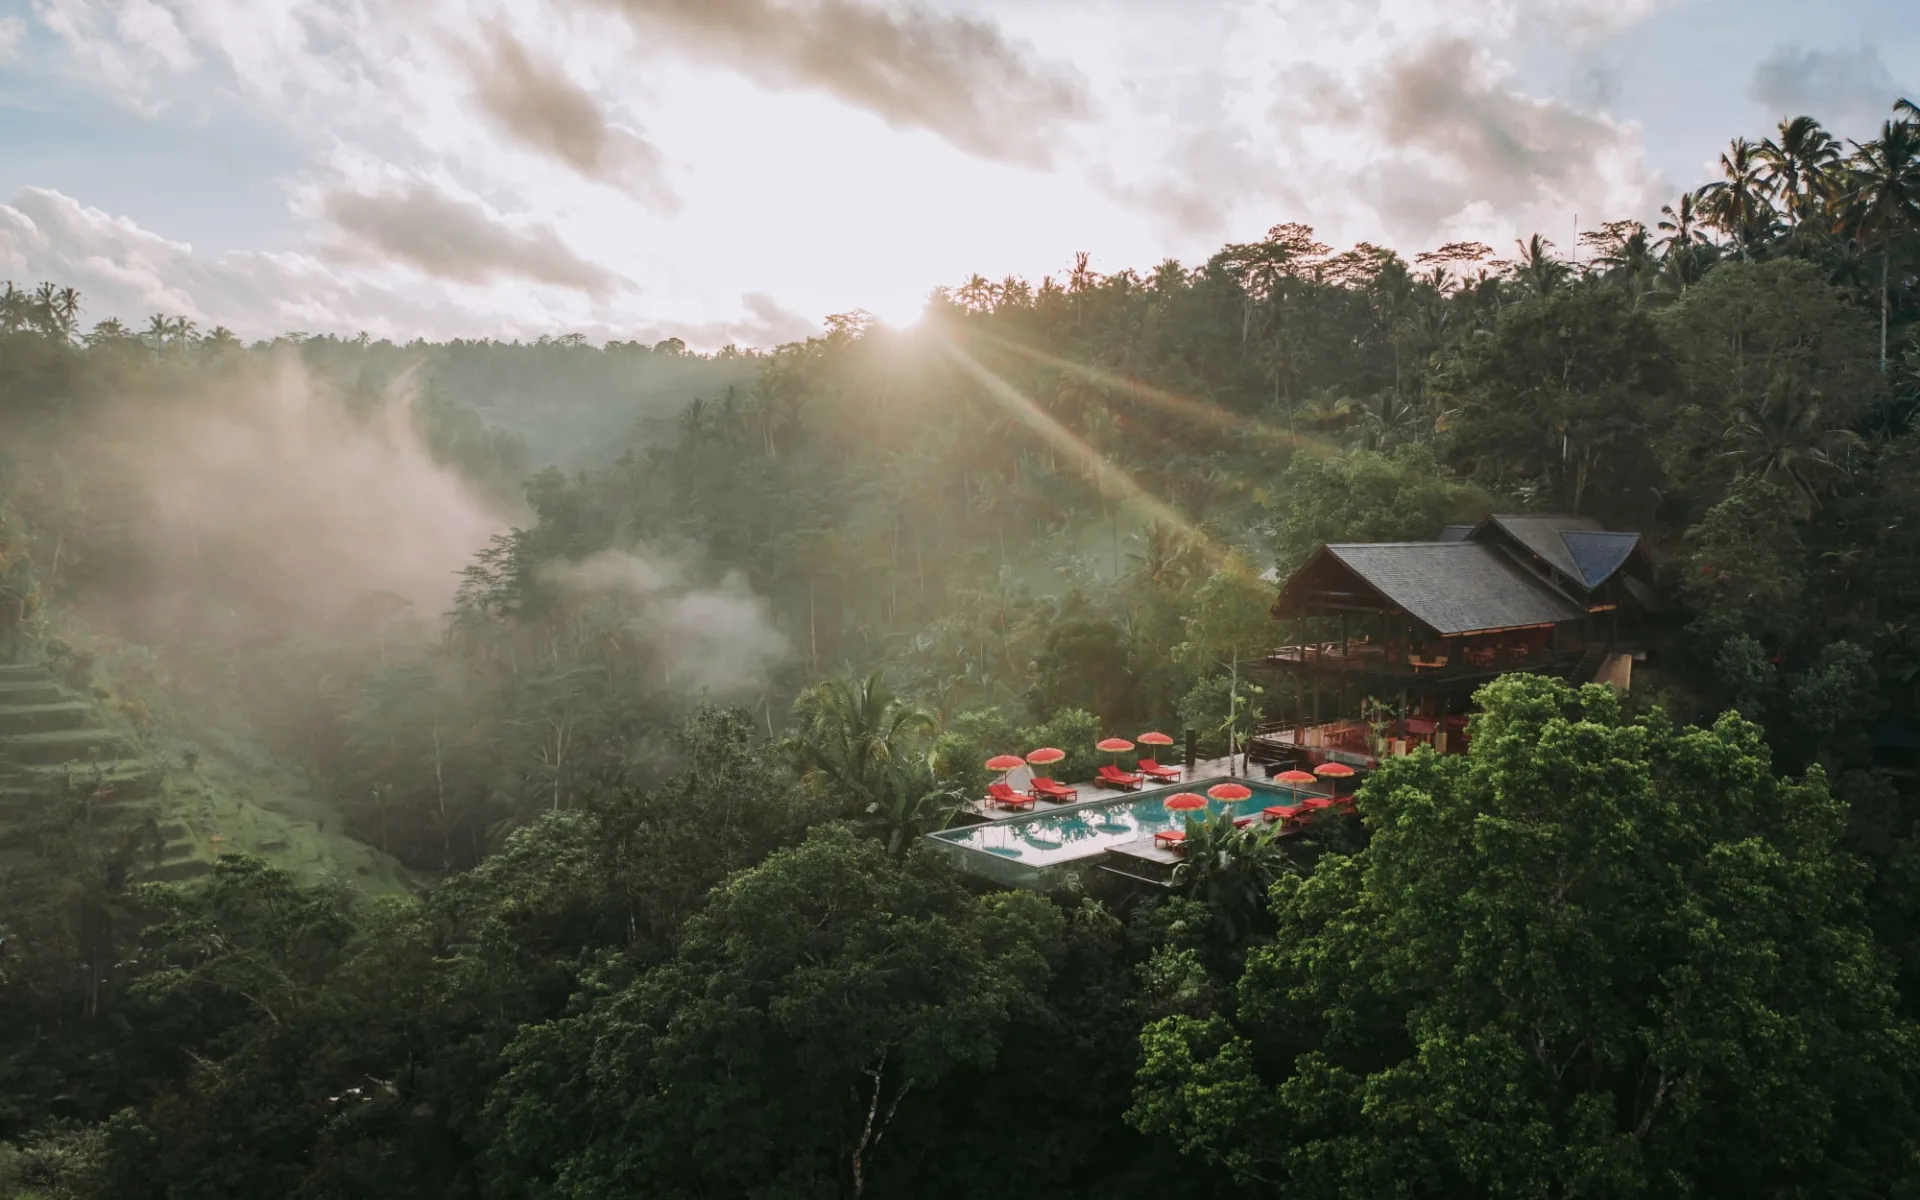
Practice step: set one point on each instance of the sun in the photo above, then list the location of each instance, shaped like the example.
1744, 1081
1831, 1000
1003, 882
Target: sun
898, 312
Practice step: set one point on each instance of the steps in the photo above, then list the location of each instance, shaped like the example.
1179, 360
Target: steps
57, 747
51, 745
44, 717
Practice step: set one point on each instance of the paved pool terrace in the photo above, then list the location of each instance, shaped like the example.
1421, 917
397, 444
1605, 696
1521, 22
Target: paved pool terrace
1037, 849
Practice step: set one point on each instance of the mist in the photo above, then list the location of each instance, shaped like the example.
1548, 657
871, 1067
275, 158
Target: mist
263, 505
714, 640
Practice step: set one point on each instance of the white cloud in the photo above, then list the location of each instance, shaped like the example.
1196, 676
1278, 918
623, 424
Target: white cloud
129, 49
663, 165
12, 32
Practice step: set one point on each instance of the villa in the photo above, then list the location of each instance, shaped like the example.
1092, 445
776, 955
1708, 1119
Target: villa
1402, 633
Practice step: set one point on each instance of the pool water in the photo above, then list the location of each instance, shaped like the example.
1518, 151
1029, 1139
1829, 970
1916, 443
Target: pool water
1084, 830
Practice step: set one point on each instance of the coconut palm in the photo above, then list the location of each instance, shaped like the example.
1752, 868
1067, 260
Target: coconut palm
1799, 161
1537, 270
1231, 870
1883, 197
1784, 438
1740, 204
860, 743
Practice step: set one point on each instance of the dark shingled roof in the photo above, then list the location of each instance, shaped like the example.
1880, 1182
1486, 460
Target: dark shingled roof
1455, 533
1598, 553
1455, 587
1542, 536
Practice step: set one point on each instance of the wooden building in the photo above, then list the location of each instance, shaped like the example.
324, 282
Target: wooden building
1396, 636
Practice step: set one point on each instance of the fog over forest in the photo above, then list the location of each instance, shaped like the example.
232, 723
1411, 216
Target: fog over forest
1394, 704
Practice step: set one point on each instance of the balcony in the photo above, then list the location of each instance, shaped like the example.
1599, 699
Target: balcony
1456, 660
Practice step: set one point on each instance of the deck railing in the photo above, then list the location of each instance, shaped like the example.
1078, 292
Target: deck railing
1368, 658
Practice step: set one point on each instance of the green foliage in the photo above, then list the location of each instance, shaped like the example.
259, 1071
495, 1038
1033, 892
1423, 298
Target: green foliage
815, 996
1075, 731
1365, 497
1562, 403
1746, 575
1596, 955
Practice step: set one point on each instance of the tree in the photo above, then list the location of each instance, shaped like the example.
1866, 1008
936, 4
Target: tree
1558, 404
815, 997
1785, 439
1230, 622
1747, 575
1740, 203
1596, 956
1800, 161
1883, 198
1362, 497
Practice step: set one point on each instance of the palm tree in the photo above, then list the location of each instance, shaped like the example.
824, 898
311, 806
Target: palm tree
1231, 870
1784, 438
16, 308
1740, 204
1388, 420
859, 743
1798, 162
109, 330
1883, 196
1537, 270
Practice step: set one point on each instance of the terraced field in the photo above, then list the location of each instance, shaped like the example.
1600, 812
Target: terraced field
56, 749
53, 748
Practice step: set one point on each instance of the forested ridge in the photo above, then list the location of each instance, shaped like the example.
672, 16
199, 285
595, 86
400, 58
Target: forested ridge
588, 703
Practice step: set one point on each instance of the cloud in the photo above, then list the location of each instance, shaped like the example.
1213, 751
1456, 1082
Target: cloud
123, 45
12, 32
957, 77
1829, 84
1453, 146
540, 107
455, 239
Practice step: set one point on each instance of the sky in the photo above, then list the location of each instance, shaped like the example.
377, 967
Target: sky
732, 171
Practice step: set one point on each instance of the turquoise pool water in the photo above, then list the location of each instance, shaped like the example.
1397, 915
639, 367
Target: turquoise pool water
1083, 830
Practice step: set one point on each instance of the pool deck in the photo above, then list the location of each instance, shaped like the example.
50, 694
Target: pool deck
1206, 768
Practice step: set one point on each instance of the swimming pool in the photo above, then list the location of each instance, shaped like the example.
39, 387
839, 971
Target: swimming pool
1017, 850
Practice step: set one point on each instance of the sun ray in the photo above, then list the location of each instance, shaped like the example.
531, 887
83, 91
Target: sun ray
1110, 477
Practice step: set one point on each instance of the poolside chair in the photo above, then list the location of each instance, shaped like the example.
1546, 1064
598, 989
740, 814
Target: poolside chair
1047, 789
1150, 767
1286, 814
1170, 838
1003, 795
1116, 778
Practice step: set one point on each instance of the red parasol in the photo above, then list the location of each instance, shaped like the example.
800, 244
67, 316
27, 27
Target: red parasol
1186, 801
1154, 739
1229, 792
1293, 777
1114, 745
1333, 770
1045, 755
1005, 762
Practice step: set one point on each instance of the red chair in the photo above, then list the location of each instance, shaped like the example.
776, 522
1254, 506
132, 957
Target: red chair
1150, 767
1286, 814
1047, 789
1170, 838
1115, 777
1316, 803
1004, 796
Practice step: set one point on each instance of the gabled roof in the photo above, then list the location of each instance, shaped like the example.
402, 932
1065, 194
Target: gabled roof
1454, 587
1455, 533
1578, 549
1597, 552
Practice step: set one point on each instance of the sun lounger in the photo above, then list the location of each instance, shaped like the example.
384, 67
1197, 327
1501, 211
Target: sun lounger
1115, 777
1150, 767
1047, 789
1170, 838
1004, 796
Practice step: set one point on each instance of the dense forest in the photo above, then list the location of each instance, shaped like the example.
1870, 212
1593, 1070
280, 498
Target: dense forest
549, 729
